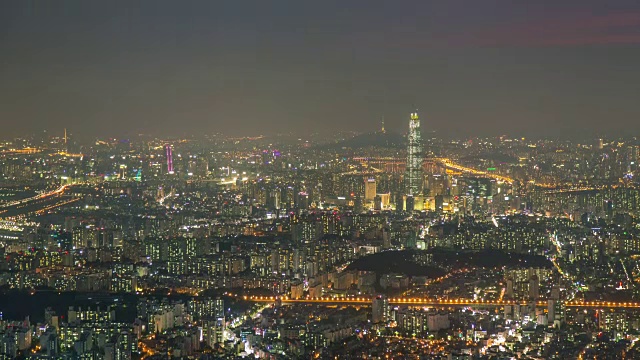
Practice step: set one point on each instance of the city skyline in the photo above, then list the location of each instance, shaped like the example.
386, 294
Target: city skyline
363, 179
235, 247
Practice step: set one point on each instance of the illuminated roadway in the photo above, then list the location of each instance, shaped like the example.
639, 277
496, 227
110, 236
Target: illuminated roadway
38, 204
433, 302
450, 164
553, 188
55, 192
447, 163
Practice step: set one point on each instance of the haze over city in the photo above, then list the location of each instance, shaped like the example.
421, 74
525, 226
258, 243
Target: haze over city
165, 68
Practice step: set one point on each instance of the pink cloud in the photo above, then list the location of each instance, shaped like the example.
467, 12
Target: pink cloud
609, 39
581, 29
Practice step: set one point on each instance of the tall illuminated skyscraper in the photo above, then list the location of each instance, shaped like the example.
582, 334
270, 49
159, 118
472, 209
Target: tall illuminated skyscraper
169, 156
369, 189
413, 175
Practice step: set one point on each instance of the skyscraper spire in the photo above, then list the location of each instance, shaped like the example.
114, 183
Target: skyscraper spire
383, 130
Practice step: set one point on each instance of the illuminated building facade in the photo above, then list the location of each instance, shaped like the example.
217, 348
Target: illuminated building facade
380, 310
169, 156
413, 176
369, 189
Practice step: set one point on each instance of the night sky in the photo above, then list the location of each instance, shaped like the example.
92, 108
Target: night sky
475, 67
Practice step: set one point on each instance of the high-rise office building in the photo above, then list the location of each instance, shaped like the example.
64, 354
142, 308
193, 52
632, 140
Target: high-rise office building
413, 176
632, 158
169, 156
369, 189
